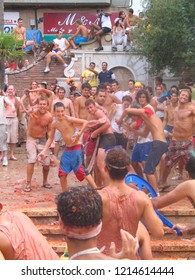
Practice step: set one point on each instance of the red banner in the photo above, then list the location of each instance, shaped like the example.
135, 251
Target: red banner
66, 21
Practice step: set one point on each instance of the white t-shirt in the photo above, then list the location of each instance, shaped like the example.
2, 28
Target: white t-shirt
119, 94
106, 22
117, 115
60, 43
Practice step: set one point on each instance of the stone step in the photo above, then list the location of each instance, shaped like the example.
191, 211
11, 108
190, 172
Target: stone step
53, 231
169, 249
178, 216
162, 250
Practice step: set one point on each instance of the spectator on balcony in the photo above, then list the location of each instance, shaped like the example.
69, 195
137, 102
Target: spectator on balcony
130, 22
80, 36
19, 32
118, 35
104, 26
58, 51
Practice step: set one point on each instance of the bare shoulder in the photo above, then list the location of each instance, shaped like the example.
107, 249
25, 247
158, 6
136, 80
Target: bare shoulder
78, 100
103, 195
142, 198
99, 114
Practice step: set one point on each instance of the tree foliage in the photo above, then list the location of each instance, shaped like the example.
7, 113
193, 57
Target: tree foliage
166, 37
10, 49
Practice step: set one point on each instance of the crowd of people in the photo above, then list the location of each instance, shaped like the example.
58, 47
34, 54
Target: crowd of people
101, 133
121, 33
95, 123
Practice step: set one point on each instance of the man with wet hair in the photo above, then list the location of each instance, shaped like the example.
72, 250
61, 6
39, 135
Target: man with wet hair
73, 155
123, 206
80, 215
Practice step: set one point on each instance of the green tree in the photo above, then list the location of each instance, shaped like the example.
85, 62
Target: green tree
167, 35
10, 49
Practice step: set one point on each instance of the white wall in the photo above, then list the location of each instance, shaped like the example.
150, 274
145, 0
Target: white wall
137, 6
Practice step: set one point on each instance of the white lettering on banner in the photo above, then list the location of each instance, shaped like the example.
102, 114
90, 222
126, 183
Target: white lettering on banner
70, 21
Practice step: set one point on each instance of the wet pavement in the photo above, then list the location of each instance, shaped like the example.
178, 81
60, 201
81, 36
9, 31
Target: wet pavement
13, 178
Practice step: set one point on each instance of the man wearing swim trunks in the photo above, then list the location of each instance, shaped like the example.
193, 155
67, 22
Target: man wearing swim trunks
101, 128
39, 124
181, 144
82, 31
73, 156
154, 125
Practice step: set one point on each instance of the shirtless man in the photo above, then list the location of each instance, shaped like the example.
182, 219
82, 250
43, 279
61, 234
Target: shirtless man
20, 34
81, 230
75, 40
110, 98
72, 157
168, 126
120, 202
12, 120
179, 148
69, 111
101, 128
21, 240
40, 91
79, 104
130, 21
39, 124
159, 145
169, 115
185, 189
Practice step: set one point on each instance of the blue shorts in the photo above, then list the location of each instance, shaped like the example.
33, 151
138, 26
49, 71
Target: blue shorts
168, 128
80, 39
141, 151
73, 159
158, 149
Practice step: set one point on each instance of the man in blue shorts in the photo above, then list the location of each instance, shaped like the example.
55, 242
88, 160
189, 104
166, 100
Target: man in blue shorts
80, 36
154, 125
72, 156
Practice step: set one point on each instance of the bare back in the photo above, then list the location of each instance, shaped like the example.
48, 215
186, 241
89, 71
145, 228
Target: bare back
83, 31
155, 125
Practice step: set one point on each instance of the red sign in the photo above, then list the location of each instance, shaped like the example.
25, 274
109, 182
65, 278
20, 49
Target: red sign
66, 21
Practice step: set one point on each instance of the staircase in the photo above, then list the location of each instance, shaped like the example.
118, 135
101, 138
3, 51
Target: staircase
34, 72
170, 247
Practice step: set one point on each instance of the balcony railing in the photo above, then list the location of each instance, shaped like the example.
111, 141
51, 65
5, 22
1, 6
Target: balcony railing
59, 2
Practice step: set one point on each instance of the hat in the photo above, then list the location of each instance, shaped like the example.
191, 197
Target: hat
116, 20
138, 84
69, 80
78, 92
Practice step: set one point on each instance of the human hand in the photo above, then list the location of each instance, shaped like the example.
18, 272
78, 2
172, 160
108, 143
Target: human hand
93, 136
41, 156
118, 121
129, 249
180, 227
75, 137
